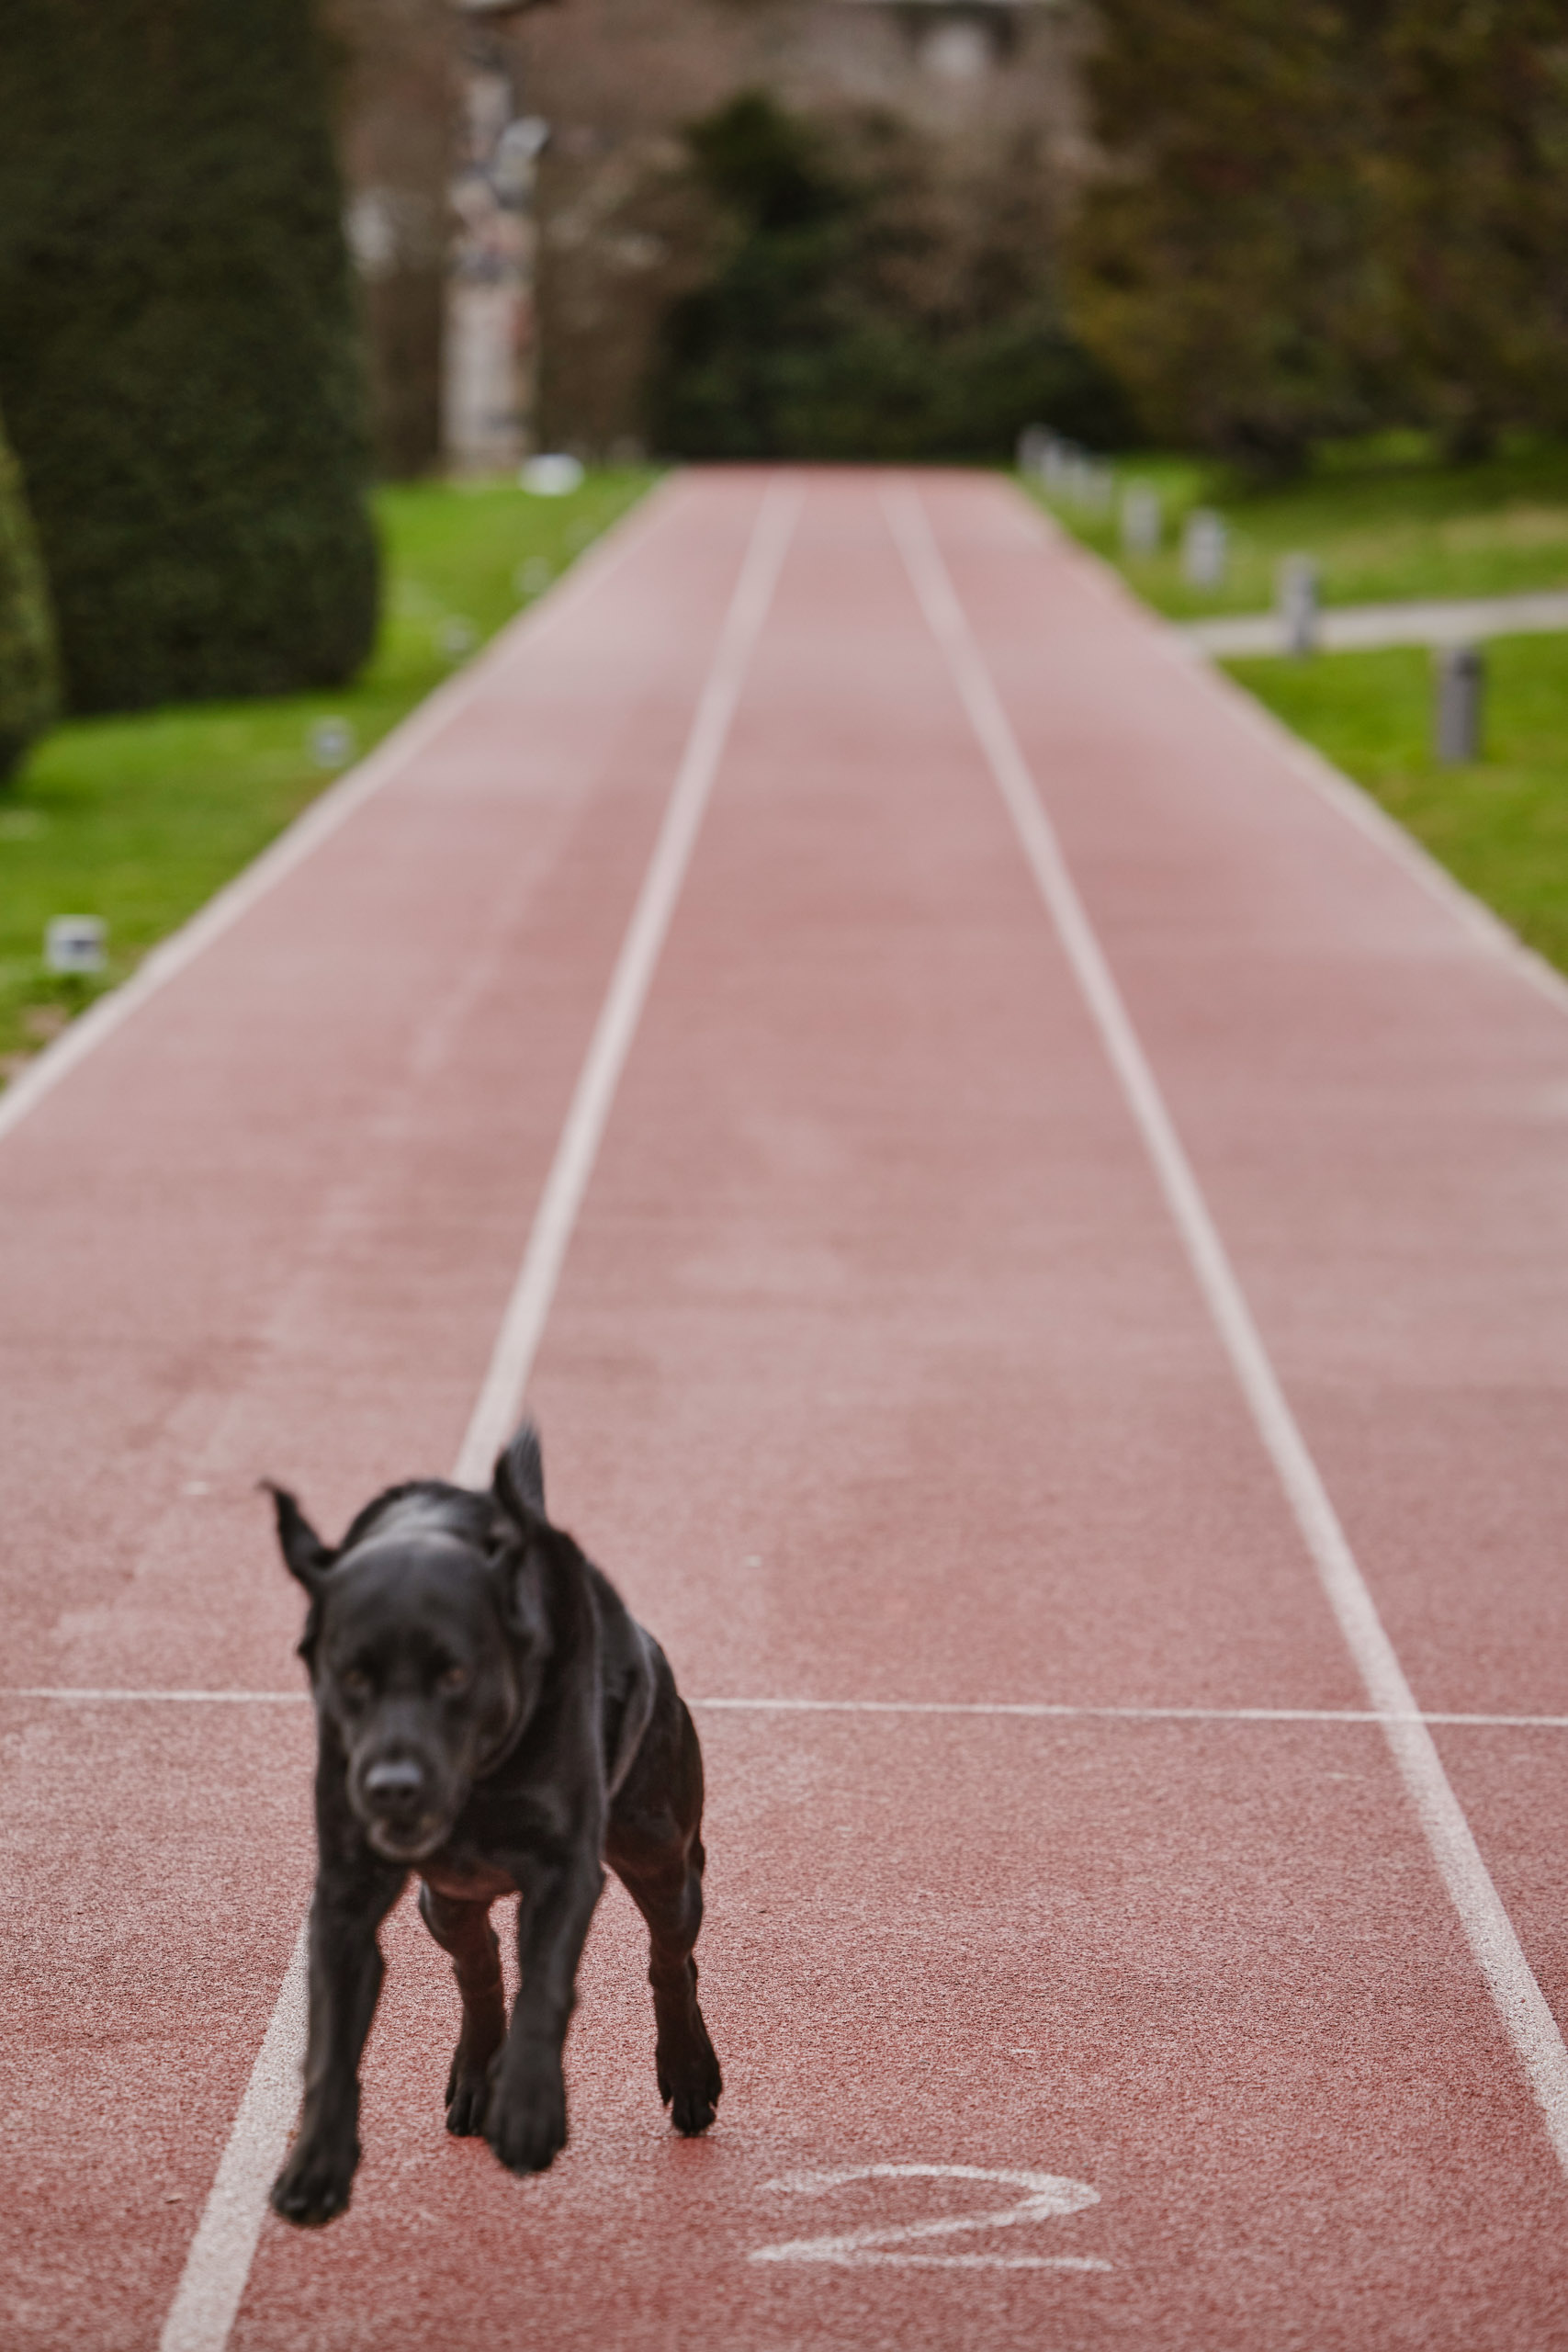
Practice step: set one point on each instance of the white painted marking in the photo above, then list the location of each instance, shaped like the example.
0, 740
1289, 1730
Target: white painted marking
1047, 2198
1049, 1710
496, 1411
220, 2254
325, 816
220, 2258
1052, 1710
1528, 2020
89, 1698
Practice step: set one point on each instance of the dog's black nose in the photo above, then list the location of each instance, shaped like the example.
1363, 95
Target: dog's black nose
393, 1786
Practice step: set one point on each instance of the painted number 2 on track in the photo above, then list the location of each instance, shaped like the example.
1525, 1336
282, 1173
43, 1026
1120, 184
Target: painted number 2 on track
1046, 2197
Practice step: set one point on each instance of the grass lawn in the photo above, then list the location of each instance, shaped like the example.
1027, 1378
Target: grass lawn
1382, 518
139, 820
1500, 826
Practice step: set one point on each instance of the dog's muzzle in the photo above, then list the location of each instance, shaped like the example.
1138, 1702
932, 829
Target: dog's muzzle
400, 1817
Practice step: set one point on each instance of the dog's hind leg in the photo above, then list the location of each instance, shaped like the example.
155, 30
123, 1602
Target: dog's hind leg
655, 1849
669, 1896
464, 1931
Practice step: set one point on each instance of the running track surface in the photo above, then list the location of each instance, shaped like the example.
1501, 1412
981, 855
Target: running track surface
877, 1370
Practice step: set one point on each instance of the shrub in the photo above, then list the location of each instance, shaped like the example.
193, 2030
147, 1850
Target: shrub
856, 306
179, 353
29, 672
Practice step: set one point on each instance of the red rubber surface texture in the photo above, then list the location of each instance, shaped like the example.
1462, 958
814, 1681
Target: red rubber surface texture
876, 1373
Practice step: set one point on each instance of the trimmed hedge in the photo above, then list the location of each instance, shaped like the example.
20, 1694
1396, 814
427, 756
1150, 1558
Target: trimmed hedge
180, 361
30, 678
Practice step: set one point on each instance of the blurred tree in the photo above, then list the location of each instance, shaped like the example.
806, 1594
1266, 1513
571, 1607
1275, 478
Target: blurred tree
28, 670
179, 355
1222, 261
1311, 219
1471, 183
855, 307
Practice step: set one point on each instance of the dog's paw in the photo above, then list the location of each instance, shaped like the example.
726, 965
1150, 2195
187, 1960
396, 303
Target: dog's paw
691, 2085
314, 2186
467, 2099
527, 2125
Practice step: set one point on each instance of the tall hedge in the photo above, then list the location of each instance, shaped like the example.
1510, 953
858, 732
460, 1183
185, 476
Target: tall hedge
180, 363
28, 670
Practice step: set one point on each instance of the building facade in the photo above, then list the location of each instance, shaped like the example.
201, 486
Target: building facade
522, 163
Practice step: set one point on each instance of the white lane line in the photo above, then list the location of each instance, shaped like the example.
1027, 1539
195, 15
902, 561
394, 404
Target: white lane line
1525, 2015
1046, 1710
87, 1697
496, 1411
1050, 1711
325, 816
220, 2254
219, 2261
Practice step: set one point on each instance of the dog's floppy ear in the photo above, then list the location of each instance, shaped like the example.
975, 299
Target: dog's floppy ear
306, 1556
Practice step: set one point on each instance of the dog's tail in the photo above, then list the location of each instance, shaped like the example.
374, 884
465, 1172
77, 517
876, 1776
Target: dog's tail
521, 1468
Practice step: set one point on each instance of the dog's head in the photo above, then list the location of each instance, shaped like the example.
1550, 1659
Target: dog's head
427, 1631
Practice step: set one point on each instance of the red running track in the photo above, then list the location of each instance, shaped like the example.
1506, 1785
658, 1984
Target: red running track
1053, 1835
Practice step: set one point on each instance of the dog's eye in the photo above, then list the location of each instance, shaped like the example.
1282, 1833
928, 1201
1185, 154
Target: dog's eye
454, 1679
354, 1683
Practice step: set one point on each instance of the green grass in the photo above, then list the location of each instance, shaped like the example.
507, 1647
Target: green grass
139, 820
1382, 518
1500, 826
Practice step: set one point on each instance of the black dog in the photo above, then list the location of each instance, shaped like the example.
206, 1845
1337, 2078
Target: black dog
490, 1716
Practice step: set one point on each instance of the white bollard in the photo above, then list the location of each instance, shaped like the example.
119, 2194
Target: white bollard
332, 743
1140, 519
1205, 545
1099, 486
75, 944
456, 639
552, 476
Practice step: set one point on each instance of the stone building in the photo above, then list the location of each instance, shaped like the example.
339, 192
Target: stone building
572, 169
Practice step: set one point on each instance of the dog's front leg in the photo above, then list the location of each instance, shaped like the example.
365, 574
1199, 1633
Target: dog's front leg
464, 1931
526, 2122
346, 1969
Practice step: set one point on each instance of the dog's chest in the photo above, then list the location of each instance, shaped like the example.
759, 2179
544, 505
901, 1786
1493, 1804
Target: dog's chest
464, 1878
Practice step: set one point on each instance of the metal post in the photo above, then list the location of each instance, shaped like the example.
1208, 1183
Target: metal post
1298, 603
1461, 677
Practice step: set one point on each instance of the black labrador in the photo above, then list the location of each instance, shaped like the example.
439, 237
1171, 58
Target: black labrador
490, 1716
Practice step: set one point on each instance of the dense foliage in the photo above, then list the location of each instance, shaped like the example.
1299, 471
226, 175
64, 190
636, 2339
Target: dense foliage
1314, 218
857, 308
1470, 178
29, 679
179, 355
